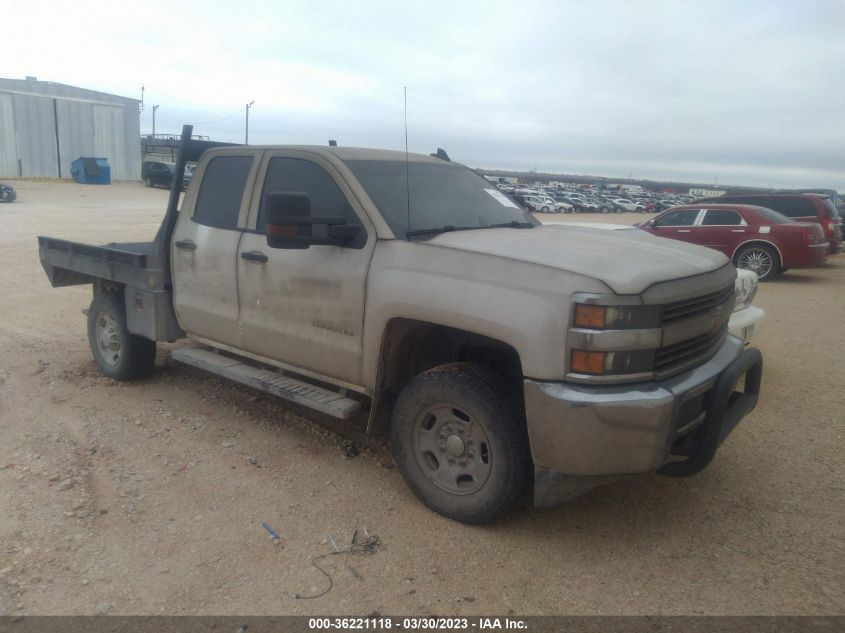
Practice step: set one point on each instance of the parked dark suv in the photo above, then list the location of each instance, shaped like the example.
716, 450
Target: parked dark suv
801, 207
160, 174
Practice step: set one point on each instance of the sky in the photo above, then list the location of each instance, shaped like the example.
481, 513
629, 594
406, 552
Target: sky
713, 92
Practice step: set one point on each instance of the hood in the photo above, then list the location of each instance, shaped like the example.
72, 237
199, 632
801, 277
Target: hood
627, 260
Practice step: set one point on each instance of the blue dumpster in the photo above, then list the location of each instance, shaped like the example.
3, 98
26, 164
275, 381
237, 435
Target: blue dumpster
91, 171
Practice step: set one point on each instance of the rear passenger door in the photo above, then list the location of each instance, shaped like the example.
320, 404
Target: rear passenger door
304, 308
204, 251
721, 229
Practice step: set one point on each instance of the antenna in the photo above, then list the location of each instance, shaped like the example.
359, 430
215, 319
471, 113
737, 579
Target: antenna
407, 161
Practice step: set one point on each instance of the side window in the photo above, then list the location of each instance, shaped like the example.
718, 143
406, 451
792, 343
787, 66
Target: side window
721, 217
221, 192
791, 207
295, 174
684, 217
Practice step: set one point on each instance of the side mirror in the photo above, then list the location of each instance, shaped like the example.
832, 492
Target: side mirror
291, 225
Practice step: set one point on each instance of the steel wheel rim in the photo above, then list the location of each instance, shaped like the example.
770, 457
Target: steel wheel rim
108, 338
757, 260
452, 449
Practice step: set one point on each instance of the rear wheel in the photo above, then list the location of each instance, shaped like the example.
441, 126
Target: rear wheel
761, 259
545, 209
118, 353
458, 437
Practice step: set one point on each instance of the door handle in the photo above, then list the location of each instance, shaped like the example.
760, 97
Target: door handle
254, 256
737, 230
185, 245
683, 230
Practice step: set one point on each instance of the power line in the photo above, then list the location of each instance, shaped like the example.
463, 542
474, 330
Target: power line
223, 118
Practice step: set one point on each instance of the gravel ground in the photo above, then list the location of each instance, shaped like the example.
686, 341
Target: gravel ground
147, 498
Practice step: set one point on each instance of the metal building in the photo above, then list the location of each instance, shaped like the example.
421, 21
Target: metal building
45, 126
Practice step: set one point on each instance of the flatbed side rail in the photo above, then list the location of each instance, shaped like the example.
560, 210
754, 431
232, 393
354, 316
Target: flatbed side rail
72, 263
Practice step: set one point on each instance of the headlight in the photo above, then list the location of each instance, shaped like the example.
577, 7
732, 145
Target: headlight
628, 334
596, 317
746, 289
609, 363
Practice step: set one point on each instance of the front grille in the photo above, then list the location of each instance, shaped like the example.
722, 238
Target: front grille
692, 307
680, 354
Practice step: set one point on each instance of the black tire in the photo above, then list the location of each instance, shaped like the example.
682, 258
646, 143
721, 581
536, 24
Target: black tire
761, 258
544, 210
471, 423
604, 209
119, 354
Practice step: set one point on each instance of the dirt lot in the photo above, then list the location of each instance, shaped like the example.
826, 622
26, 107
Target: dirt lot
147, 497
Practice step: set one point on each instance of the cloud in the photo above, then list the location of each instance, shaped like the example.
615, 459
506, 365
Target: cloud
747, 90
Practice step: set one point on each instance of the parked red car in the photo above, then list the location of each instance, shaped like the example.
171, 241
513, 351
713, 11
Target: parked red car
755, 238
801, 207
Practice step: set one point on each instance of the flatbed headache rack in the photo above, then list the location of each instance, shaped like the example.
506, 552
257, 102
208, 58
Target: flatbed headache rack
141, 268
143, 264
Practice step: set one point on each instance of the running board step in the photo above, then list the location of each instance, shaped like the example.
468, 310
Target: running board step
317, 398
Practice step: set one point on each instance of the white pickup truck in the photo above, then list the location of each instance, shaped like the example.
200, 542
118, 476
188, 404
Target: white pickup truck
403, 293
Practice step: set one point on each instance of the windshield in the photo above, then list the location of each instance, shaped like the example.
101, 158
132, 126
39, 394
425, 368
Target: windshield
441, 195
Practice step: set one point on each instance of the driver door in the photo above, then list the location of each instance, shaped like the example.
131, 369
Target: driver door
678, 225
304, 308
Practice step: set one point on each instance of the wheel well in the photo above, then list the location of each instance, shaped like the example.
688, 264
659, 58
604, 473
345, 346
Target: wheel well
757, 243
410, 347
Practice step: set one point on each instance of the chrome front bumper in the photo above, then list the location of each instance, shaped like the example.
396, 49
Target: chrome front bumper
581, 435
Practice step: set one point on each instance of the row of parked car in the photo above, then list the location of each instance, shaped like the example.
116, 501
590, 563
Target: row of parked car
553, 200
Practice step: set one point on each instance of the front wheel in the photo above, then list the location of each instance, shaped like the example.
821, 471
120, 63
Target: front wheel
458, 437
760, 258
119, 354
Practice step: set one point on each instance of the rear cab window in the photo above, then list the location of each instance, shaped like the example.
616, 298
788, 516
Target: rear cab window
221, 192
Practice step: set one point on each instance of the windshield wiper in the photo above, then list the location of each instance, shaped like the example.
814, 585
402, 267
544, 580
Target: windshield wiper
443, 229
513, 224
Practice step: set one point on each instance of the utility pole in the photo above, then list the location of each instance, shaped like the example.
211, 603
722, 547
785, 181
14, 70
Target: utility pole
246, 136
155, 107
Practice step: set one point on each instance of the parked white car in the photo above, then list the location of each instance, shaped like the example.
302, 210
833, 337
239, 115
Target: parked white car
628, 205
745, 316
544, 204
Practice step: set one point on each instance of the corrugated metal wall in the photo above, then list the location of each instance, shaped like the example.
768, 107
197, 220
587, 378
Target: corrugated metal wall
8, 138
44, 127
